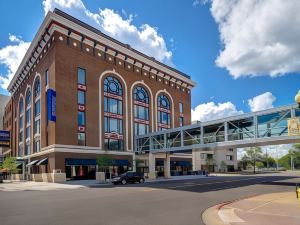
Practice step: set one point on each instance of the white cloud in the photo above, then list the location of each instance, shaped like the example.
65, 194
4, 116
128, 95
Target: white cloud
11, 57
259, 37
144, 38
261, 102
211, 111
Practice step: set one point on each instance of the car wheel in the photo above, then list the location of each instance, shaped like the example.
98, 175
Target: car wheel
124, 182
142, 180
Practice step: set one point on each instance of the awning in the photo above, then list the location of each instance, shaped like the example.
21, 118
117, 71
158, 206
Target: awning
32, 163
81, 162
43, 162
19, 164
121, 162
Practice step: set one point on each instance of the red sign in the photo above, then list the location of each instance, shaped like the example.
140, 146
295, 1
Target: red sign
81, 128
141, 103
113, 135
81, 87
141, 121
113, 96
81, 107
163, 110
113, 115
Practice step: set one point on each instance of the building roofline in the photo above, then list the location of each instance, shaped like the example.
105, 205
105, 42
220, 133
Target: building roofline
67, 20
95, 30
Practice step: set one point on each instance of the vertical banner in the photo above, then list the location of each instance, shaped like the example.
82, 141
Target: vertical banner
51, 105
4, 138
293, 126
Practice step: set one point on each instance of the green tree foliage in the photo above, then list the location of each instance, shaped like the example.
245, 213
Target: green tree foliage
285, 161
254, 155
104, 162
10, 163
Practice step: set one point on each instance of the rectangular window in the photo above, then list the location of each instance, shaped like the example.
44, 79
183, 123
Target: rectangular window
180, 107
27, 148
181, 121
28, 116
37, 108
81, 76
37, 127
81, 118
21, 122
37, 145
21, 136
202, 155
28, 132
46, 78
229, 157
81, 97
113, 105
81, 139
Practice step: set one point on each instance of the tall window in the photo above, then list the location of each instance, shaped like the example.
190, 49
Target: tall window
181, 118
141, 111
21, 127
163, 112
81, 92
113, 114
28, 122
37, 115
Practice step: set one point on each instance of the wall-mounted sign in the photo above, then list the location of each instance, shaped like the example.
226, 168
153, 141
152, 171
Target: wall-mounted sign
4, 138
293, 126
81, 87
51, 105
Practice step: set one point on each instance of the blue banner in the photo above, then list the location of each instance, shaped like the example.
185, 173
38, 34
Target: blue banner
51, 105
4, 138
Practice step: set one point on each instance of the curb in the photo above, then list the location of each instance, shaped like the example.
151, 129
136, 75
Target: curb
210, 215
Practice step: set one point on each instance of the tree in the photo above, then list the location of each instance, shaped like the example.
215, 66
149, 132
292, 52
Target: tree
104, 162
292, 159
10, 163
223, 166
254, 154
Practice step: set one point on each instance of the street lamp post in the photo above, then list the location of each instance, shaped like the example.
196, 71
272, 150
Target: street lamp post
297, 98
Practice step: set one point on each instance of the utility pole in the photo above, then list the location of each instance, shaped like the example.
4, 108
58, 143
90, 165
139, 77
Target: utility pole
276, 157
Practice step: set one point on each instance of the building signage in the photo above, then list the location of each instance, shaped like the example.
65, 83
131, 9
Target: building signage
293, 126
51, 105
81, 107
4, 138
113, 135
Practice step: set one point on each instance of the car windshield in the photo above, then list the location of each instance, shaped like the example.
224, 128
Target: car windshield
126, 174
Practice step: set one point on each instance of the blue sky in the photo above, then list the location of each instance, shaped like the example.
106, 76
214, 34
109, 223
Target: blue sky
190, 31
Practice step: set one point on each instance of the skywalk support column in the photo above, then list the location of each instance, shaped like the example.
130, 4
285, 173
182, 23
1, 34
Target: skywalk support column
152, 174
167, 163
196, 160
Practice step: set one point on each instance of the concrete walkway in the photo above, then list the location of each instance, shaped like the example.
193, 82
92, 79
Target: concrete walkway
276, 209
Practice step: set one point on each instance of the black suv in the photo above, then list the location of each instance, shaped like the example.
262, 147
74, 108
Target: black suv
129, 177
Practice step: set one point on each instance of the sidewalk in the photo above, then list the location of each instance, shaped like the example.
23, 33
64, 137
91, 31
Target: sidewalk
276, 209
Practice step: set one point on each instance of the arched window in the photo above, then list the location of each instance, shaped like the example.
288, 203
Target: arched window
163, 112
37, 115
21, 127
28, 122
113, 114
141, 111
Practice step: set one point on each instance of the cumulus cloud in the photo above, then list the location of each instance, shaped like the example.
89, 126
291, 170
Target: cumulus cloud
211, 111
144, 38
10, 58
258, 37
261, 102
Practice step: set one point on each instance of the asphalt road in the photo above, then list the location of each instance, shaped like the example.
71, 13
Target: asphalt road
158, 203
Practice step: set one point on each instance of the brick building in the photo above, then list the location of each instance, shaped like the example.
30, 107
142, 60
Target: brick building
78, 94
